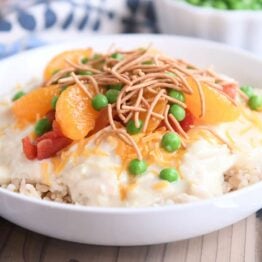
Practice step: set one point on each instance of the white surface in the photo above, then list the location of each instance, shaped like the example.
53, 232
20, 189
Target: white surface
237, 28
116, 226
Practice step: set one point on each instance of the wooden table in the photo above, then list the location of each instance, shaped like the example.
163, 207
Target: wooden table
241, 242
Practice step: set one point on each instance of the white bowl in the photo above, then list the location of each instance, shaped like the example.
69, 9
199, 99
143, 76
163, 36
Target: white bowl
237, 28
130, 226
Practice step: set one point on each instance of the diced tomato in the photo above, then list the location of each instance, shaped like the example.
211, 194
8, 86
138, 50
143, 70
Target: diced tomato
230, 90
188, 121
49, 147
46, 145
102, 121
162, 124
48, 135
56, 128
51, 116
55, 133
44, 149
29, 148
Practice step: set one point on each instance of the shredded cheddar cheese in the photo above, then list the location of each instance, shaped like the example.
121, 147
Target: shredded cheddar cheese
59, 162
125, 189
160, 185
45, 173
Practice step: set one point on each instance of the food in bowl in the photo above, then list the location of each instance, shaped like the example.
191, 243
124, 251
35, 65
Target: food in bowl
211, 23
130, 129
228, 4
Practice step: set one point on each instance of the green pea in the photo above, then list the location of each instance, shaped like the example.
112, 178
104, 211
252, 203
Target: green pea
177, 95
131, 127
207, 3
220, 5
169, 174
255, 102
194, 2
117, 56
42, 126
178, 112
18, 95
228, 4
84, 60
170, 142
54, 101
112, 95
137, 167
248, 90
85, 73
256, 6
115, 86
99, 101
237, 5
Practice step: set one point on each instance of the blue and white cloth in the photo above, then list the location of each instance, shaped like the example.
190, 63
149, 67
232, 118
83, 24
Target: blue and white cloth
45, 21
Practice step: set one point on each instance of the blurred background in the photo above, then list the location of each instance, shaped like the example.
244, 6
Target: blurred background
26, 24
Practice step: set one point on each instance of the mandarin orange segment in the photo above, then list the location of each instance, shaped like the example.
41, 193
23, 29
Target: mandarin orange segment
36, 103
154, 122
218, 108
59, 61
75, 114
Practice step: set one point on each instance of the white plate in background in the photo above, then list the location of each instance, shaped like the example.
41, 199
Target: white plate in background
239, 28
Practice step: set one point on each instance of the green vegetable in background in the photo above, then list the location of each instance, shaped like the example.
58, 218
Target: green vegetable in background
228, 4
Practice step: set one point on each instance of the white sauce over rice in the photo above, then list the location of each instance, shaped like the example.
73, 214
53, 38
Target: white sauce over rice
207, 169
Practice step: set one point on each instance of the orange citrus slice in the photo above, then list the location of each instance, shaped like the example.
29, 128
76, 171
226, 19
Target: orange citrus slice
75, 114
36, 103
59, 61
218, 107
154, 122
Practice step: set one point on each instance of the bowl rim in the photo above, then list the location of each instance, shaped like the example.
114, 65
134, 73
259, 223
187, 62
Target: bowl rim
219, 200
210, 10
